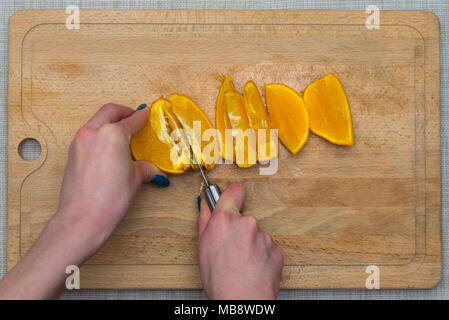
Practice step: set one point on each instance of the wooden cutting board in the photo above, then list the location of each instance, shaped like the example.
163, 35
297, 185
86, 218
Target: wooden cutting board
333, 211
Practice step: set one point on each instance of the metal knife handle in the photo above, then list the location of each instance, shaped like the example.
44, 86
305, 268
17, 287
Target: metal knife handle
212, 195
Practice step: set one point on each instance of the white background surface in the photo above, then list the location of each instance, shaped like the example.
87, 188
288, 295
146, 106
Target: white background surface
439, 7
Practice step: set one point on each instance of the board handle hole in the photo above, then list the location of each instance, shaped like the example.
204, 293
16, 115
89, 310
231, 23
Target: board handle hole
29, 149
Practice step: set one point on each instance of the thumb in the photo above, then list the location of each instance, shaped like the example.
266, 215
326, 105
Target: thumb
148, 171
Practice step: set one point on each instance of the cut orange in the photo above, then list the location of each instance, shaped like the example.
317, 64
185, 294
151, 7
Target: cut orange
168, 133
329, 112
243, 135
195, 122
267, 146
222, 122
288, 114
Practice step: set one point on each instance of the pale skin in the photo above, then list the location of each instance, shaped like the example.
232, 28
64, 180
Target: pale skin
236, 259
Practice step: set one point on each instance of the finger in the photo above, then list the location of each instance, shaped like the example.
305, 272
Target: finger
277, 256
268, 239
232, 199
109, 113
203, 218
135, 122
148, 171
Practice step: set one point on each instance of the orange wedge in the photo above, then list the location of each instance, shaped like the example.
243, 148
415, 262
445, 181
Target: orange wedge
163, 139
245, 148
194, 122
222, 122
267, 146
329, 112
288, 114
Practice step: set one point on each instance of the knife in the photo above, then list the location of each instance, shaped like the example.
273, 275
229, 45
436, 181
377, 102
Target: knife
211, 192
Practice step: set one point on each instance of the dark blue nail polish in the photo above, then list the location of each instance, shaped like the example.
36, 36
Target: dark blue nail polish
199, 203
142, 106
160, 181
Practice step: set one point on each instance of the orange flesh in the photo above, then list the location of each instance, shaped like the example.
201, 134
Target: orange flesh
187, 112
162, 140
222, 122
235, 112
288, 114
258, 119
329, 111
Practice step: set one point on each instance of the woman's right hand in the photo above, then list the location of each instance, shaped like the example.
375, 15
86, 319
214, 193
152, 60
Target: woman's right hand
236, 259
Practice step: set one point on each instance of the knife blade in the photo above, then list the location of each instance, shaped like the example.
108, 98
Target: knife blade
211, 192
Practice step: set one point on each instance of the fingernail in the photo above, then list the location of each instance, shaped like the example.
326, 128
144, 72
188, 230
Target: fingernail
199, 203
160, 181
142, 106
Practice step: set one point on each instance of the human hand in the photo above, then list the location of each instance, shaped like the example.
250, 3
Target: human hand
99, 183
101, 177
236, 259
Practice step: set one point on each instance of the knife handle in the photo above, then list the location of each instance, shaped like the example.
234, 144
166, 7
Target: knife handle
212, 194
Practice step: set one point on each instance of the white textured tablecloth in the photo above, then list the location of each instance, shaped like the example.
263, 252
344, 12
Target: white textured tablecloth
439, 7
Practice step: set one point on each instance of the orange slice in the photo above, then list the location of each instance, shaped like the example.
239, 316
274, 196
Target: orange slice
245, 152
222, 122
267, 146
288, 114
194, 122
329, 112
163, 139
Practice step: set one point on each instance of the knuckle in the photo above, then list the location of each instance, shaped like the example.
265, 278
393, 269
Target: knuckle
224, 214
251, 222
108, 106
268, 238
83, 135
279, 256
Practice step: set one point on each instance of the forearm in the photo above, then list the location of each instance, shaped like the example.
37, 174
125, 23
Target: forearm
41, 272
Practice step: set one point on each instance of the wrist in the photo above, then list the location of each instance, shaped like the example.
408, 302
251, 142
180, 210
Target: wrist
76, 238
40, 274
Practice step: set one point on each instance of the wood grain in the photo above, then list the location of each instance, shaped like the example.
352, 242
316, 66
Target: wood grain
332, 210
